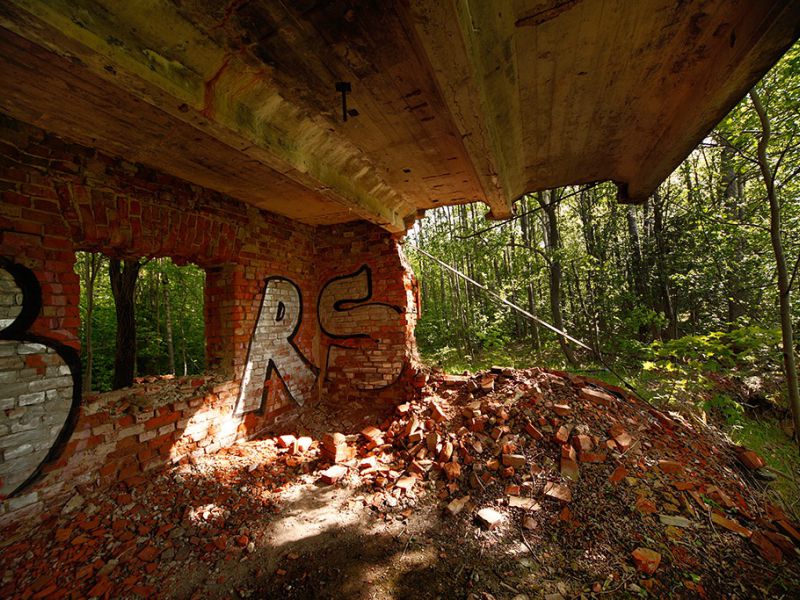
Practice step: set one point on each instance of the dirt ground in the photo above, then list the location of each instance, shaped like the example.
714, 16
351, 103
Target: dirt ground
262, 521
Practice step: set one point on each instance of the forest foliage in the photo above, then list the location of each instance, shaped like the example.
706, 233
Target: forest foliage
692, 260
168, 309
678, 293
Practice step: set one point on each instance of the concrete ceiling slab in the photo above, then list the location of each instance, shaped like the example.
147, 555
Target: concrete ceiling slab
451, 101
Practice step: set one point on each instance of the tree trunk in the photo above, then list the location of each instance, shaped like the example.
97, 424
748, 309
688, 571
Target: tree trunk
787, 333
168, 327
553, 244
667, 303
123, 287
637, 266
91, 263
729, 200
537, 343
183, 348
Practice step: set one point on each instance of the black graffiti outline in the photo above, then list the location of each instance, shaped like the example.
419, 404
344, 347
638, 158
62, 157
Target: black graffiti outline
26, 281
271, 366
17, 331
339, 306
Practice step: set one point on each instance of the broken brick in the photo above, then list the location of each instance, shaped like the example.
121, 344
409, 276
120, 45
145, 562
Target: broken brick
618, 475
592, 457
331, 440
304, 443
369, 462
596, 396
432, 441
489, 518
524, 503
569, 469
514, 460
452, 471
562, 435
558, 491
781, 541
437, 414
385, 471
457, 505
646, 560
446, 452
333, 474
149, 554
419, 468
562, 410
751, 460
789, 529
487, 383
532, 431
670, 467
568, 452
411, 426
373, 434
766, 549
730, 525
477, 424
406, 483
497, 432
620, 436
582, 443
286, 441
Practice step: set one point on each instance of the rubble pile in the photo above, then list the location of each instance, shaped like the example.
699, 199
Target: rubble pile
546, 452
128, 540
600, 488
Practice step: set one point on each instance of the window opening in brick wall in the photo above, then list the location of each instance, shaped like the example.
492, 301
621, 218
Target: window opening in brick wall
169, 320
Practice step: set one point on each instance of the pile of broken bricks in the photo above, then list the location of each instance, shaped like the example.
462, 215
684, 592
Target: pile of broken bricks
128, 540
566, 464
517, 449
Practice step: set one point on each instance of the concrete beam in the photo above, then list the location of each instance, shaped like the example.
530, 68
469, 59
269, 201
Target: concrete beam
215, 89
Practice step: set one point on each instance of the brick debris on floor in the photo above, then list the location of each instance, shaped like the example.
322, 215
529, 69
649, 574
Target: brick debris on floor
606, 493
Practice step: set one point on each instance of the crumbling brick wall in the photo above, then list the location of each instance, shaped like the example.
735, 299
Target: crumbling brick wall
266, 276
366, 320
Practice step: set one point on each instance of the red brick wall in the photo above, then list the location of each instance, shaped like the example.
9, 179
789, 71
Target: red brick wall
380, 357
59, 197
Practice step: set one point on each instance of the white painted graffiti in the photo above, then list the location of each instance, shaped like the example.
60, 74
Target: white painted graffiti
272, 349
345, 316
39, 385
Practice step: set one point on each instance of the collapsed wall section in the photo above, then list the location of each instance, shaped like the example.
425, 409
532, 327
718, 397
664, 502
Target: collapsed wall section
294, 314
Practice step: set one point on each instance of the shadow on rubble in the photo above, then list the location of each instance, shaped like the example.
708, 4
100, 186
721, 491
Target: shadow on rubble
253, 521
323, 541
318, 542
